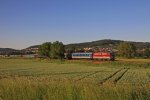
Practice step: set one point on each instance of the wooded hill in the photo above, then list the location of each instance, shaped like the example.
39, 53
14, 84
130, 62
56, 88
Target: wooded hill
8, 50
107, 43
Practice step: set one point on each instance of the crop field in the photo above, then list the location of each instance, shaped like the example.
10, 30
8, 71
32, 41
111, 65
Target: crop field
42, 79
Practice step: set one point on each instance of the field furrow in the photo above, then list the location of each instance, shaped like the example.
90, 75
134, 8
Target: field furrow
112, 75
119, 77
90, 74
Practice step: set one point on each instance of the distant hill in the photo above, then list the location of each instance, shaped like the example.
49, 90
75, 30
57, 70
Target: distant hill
8, 50
35, 46
107, 43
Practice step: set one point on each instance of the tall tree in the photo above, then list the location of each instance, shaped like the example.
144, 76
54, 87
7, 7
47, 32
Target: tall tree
57, 50
45, 49
126, 50
146, 53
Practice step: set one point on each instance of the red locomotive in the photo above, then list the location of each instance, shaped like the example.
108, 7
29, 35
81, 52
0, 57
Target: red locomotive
104, 56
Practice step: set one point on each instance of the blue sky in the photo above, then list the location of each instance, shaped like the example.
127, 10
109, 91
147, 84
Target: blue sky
29, 22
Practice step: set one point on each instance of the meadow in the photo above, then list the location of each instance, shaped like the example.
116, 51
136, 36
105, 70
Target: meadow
43, 79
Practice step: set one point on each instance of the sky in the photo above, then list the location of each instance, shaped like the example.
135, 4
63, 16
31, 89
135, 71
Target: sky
24, 23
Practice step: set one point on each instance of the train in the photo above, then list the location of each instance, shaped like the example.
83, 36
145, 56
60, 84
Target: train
91, 56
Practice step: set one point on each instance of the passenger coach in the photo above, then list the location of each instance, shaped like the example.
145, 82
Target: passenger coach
82, 55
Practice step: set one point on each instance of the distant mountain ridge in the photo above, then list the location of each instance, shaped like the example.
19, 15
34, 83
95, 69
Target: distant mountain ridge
7, 49
105, 43
34, 46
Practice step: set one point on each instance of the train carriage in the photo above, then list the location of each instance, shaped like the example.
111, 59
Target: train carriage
82, 55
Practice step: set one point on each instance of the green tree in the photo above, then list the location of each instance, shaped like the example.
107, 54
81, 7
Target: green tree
57, 50
45, 49
73, 48
146, 53
126, 50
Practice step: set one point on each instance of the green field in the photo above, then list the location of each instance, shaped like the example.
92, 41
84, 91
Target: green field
39, 79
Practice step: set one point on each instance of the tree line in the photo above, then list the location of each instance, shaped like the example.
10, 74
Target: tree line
128, 50
124, 49
56, 50
53, 50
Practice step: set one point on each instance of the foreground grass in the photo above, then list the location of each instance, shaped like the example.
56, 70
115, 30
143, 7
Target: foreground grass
35, 79
37, 89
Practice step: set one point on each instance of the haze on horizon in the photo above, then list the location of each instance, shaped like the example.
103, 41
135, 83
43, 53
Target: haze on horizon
29, 22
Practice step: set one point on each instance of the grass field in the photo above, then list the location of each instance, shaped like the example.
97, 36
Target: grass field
36, 79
